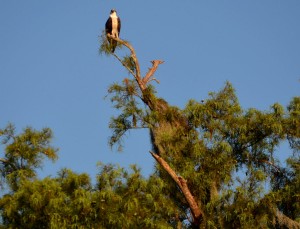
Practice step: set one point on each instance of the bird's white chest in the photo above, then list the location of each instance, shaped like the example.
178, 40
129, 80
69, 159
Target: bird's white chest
114, 21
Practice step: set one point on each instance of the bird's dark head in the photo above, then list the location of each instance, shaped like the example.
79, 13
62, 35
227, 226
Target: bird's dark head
113, 11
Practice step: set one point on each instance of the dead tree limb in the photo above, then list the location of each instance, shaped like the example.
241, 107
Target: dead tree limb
137, 74
285, 221
151, 71
142, 81
182, 184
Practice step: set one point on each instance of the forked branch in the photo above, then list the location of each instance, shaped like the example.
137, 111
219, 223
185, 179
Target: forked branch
142, 81
151, 71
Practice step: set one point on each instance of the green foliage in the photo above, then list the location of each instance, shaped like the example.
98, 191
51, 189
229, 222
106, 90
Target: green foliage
124, 98
24, 153
106, 45
139, 203
121, 199
129, 63
293, 124
288, 195
215, 144
226, 156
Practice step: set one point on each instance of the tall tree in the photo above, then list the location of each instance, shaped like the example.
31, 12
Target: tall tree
203, 150
119, 199
23, 154
213, 161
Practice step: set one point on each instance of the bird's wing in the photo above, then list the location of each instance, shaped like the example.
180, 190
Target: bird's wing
119, 25
108, 26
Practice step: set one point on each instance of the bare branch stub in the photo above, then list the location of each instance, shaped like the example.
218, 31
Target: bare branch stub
151, 71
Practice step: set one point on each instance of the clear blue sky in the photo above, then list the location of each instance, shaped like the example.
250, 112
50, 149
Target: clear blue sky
51, 74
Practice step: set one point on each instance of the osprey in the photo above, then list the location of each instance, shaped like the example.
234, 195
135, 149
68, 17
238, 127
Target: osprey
113, 27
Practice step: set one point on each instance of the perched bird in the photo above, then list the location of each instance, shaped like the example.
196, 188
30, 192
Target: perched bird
113, 27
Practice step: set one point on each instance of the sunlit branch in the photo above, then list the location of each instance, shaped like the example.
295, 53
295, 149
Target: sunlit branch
142, 82
3, 160
137, 76
283, 220
182, 183
151, 71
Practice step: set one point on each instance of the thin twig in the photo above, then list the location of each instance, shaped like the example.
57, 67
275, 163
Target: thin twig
3, 160
119, 59
156, 80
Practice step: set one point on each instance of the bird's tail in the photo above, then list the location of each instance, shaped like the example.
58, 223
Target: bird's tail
113, 45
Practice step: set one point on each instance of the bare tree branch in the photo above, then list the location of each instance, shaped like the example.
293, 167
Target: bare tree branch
142, 82
182, 183
137, 76
152, 70
270, 163
283, 220
3, 160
